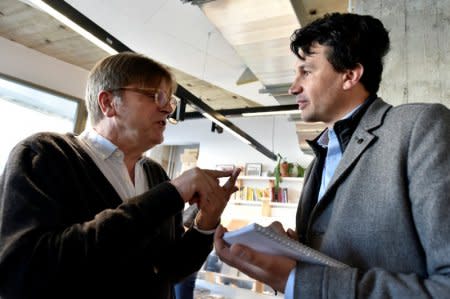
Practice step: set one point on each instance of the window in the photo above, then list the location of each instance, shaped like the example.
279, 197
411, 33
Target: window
26, 109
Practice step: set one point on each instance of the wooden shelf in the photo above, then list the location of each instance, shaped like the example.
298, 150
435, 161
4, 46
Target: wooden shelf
259, 203
284, 204
270, 178
242, 287
261, 209
220, 291
207, 275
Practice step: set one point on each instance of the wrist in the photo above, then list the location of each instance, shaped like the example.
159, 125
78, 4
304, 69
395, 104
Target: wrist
204, 224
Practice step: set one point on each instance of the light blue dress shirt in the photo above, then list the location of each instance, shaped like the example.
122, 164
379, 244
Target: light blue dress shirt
330, 141
334, 155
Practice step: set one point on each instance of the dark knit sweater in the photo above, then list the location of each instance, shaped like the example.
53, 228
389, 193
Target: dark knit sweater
65, 232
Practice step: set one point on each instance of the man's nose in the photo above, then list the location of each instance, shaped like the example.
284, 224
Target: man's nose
295, 88
168, 108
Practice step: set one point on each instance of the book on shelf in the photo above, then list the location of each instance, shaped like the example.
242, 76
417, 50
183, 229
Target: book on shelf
251, 193
279, 195
267, 240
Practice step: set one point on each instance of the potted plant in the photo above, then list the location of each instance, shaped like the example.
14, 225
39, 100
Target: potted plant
285, 169
295, 170
277, 172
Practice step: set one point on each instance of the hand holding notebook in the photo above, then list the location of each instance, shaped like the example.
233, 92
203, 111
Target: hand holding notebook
267, 240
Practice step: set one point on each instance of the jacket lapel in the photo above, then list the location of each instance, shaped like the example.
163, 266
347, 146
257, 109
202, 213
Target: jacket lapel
308, 198
362, 138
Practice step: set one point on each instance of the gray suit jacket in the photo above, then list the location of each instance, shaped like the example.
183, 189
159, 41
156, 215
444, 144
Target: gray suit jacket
386, 211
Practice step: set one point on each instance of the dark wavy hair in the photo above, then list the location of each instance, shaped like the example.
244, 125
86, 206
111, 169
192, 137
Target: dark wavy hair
351, 39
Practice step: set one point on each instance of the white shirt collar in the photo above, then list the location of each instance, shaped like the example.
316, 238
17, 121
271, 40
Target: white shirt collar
100, 144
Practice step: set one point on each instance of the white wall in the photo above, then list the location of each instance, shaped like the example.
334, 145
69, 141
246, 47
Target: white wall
275, 133
32, 66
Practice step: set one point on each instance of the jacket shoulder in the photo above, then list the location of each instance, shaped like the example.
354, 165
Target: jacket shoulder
416, 109
381, 112
49, 138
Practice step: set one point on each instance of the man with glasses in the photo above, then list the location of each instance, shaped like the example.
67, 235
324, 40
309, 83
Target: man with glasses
90, 216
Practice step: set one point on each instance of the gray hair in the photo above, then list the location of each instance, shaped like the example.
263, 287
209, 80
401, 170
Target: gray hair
120, 70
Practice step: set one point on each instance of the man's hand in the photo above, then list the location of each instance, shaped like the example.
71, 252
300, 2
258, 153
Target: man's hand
202, 187
210, 210
278, 227
272, 270
195, 185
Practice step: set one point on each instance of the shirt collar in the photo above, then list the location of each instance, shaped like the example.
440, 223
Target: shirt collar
323, 139
101, 145
329, 132
345, 127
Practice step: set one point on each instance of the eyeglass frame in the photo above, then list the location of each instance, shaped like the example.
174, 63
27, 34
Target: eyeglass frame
146, 91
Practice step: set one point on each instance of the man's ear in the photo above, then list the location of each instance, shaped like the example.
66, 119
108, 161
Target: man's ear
352, 76
106, 103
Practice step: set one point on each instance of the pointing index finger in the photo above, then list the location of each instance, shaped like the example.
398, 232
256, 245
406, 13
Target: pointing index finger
218, 173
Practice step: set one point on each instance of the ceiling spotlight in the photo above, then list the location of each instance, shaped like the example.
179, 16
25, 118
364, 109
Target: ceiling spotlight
215, 127
106, 44
270, 113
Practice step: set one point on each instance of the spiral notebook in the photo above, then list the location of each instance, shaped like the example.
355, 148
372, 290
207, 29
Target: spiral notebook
266, 240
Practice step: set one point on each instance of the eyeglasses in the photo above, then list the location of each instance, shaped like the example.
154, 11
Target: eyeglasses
160, 97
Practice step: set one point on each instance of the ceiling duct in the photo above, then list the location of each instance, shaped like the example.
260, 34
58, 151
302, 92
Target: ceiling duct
260, 33
246, 77
280, 92
309, 10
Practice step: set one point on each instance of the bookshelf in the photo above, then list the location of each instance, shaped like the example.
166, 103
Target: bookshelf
223, 281
259, 187
239, 212
286, 205
220, 285
262, 209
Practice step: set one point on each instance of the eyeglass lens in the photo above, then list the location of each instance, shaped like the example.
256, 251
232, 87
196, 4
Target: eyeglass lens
161, 100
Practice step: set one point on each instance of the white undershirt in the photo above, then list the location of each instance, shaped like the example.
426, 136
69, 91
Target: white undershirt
109, 159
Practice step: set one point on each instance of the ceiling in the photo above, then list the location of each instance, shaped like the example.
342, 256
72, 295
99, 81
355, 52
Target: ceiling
229, 53
22, 23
